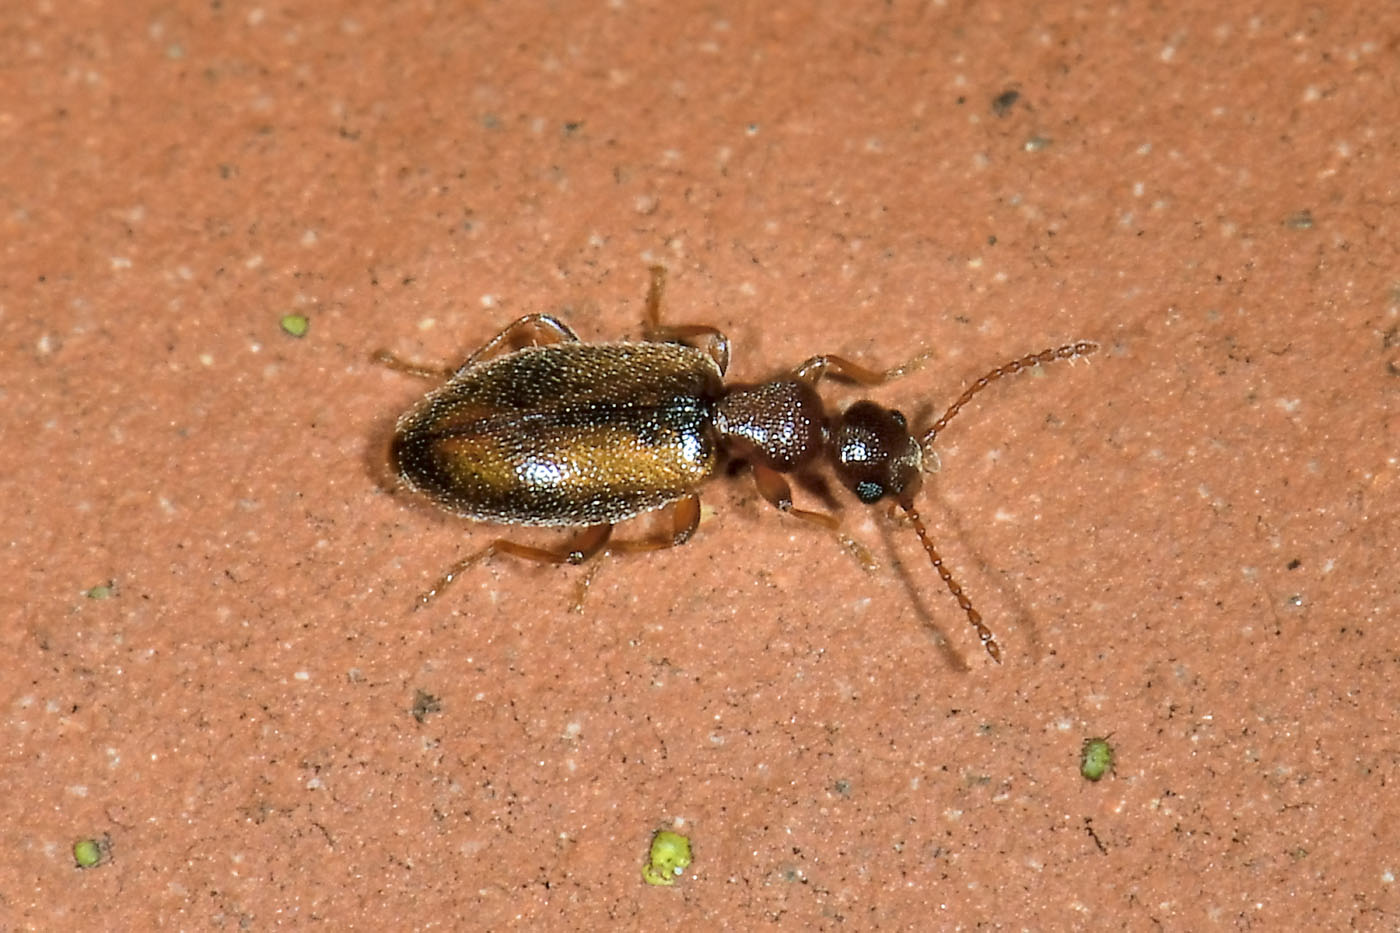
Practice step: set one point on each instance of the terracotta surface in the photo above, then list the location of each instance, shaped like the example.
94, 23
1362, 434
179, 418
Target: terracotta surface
1188, 542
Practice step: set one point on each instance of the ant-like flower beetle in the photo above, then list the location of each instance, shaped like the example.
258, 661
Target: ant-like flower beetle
585, 435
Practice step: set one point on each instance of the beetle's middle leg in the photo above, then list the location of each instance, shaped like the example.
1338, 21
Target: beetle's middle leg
532, 330
716, 343
774, 487
579, 549
685, 518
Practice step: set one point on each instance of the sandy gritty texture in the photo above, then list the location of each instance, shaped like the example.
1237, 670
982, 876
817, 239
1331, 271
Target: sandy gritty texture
1187, 542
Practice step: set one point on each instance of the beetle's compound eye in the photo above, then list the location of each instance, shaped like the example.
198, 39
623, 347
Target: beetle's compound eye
873, 454
869, 492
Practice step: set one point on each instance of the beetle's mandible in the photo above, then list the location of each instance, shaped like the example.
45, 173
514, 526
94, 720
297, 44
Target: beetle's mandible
539, 428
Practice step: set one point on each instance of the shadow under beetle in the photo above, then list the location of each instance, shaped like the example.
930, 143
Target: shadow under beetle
585, 435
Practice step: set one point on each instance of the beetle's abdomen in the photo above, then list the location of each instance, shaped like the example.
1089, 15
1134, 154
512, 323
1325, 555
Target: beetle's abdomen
567, 434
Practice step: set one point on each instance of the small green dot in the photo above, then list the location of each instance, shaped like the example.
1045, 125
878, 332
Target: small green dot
102, 591
1095, 758
296, 324
87, 853
668, 859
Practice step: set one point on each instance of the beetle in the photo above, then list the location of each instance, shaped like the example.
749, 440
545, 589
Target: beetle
540, 428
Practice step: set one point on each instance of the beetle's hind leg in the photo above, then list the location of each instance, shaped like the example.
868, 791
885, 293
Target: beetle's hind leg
532, 330
716, 343
400, 365
579, 549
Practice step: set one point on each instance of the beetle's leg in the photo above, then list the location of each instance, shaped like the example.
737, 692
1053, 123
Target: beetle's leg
1067, 352
685, 518
529, 331
532, 330
774, 487
716, 344
814, 369
400, 365
583, 546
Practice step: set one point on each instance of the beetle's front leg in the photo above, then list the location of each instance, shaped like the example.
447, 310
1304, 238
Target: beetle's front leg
774, 487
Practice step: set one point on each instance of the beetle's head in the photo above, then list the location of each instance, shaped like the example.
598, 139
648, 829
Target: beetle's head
874, 454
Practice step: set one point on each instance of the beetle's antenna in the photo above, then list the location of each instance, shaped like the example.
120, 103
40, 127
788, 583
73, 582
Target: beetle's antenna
983, 632
1067, 352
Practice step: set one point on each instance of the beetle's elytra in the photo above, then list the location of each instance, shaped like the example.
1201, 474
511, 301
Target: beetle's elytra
566, 434
560, 432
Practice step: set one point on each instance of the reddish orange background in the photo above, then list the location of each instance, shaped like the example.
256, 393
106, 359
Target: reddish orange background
1187, 542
